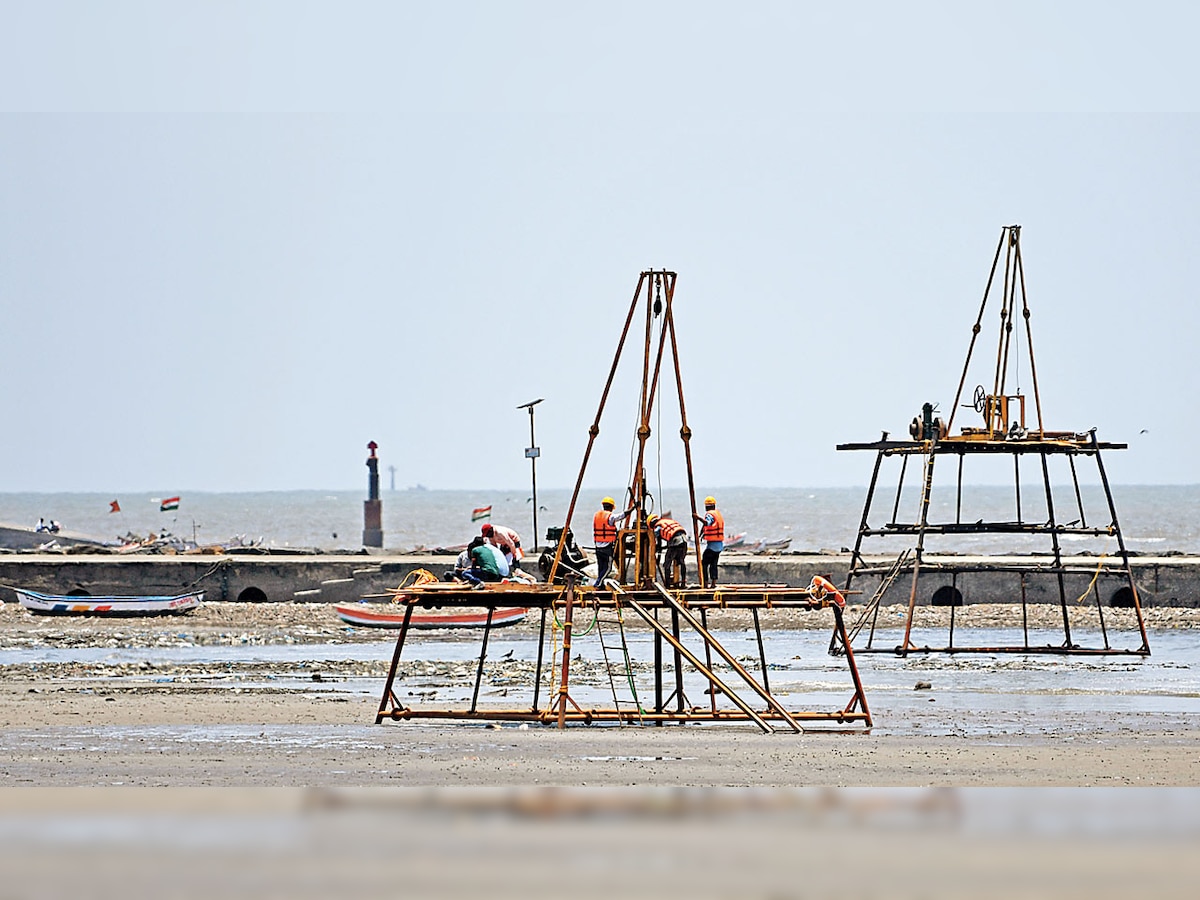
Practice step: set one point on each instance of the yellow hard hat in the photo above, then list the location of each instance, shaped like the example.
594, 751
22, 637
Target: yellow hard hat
651, 519
710, 501
608, 501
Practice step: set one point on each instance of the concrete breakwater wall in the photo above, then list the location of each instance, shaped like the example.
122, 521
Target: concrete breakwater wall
1162, 581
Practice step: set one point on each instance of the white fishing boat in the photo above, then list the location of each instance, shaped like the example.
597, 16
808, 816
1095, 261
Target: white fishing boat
67, 605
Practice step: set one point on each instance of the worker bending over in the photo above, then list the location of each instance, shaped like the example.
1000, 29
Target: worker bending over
673, 541
507, 540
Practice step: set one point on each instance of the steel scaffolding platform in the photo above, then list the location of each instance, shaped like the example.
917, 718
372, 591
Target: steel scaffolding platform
1004, 434
675, 617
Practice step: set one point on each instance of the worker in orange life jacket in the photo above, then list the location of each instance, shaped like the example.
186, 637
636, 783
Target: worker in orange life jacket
673, 539
604, 536
713, 524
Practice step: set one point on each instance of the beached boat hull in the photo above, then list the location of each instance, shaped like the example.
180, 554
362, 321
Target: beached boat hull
61, 605
381, 615
736, 542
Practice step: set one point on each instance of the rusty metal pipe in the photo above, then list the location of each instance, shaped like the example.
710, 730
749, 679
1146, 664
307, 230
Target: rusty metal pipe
1002, 344
391, 676
537, 672
1062, 590
712, 688
762, 653
975, 333
595, 428
1112, 509
566, 652
487, 630
1037, 395
685, 432
926, 488
839, 624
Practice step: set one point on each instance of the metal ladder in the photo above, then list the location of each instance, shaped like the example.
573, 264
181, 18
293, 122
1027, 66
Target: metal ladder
623, 669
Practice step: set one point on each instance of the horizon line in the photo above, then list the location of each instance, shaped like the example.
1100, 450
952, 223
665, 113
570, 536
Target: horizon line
419, 488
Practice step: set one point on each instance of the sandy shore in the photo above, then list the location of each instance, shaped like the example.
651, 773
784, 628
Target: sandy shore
263, 738
222, 721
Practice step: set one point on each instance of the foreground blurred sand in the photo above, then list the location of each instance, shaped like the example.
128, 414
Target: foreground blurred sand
702, 843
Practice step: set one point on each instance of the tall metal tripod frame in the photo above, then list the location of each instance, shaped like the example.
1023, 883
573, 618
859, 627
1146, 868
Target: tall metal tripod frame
635, 562
1036, 572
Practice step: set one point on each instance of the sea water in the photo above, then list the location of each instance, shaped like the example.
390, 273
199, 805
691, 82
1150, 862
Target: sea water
1153, 519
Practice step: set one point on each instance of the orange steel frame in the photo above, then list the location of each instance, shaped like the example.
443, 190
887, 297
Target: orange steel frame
688, 611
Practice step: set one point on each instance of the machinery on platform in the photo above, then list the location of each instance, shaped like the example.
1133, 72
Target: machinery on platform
571, 561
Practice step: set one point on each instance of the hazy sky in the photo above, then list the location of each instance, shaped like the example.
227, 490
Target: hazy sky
240, 240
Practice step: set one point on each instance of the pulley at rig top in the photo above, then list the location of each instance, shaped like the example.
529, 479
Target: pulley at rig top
659, 355
1003, 405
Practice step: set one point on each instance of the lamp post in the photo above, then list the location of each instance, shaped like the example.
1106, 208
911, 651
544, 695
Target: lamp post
532, 453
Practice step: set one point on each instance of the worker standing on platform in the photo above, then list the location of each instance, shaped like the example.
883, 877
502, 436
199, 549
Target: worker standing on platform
673, 539
713, 524
604, 536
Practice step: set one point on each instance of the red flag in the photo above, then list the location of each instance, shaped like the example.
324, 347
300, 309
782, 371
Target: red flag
115, 507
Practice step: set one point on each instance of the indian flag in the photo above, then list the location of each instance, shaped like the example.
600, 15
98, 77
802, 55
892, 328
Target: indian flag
482, 512
169, 504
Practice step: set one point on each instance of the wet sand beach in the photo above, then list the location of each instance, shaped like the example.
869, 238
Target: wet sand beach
233, 752
285, 694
